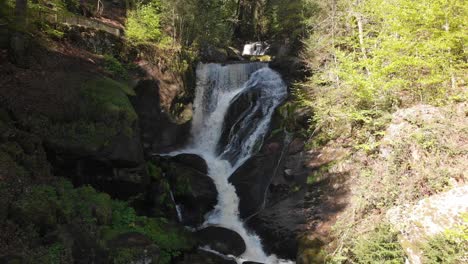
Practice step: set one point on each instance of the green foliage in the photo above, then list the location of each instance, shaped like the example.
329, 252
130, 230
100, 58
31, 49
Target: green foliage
46, 207
450, 247
378, 246
114, 66
143, 23
37, 206
125, 255
54, 254
170, 239
105, 95
406, 53
154, 171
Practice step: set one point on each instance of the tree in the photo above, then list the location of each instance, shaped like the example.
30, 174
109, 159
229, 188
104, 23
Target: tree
19, 45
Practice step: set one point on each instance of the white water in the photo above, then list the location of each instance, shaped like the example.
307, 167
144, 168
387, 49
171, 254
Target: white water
217, 87
255, 49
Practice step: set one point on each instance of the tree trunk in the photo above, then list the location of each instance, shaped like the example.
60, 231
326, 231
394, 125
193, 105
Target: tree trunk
360, 25
18, 43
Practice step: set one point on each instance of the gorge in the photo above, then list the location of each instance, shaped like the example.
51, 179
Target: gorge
226, 132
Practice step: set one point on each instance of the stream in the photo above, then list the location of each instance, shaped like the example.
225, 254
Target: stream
226, 146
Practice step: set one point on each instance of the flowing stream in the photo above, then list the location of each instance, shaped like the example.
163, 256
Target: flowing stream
218, 87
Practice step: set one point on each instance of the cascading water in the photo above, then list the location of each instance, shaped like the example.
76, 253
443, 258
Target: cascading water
217, 88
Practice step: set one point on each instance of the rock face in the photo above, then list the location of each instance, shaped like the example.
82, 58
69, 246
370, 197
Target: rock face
222, 240
271, 191
159, 133
429, 217
193, 190
96, 41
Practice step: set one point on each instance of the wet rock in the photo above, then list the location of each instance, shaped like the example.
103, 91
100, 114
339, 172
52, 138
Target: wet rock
222, 240
280, 225
234, 54
192, 161
204, 257
242, 105
251, 181
193, 190
159, 134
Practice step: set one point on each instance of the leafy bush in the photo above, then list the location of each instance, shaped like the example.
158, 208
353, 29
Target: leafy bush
403, 53
378, 246
143, 23
114, 66
450, 247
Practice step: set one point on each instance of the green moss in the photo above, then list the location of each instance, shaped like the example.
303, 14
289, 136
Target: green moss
154, 171
37, 206
125, 255
10, 166
109, 97
114, 66
106, 113
50, 208
89, 135
53, 254
169, 238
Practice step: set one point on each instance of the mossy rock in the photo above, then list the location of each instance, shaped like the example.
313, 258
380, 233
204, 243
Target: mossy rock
310, 251
38, 206
106, 123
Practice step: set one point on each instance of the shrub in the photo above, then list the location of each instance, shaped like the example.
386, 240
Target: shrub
378, 246
451, 247
114, 66
143, 23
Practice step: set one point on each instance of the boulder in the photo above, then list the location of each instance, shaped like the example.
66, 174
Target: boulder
234, 54
280, 225
193, 190
159, 133
210, 53
193, 161
251, 181
222, 240
95, 41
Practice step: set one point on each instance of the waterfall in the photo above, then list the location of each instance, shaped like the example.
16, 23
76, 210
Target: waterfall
218, 87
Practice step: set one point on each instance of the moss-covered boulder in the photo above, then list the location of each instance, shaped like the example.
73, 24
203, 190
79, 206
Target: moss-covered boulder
193, 190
